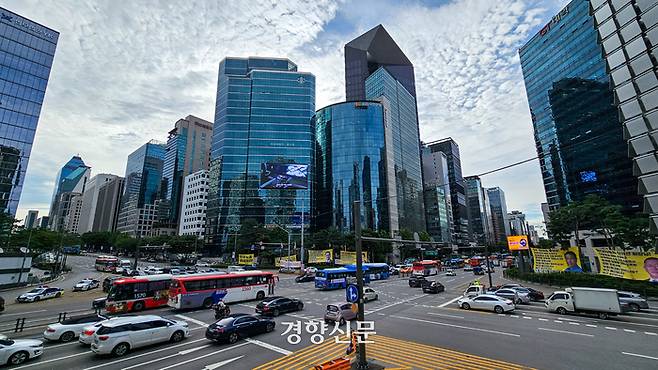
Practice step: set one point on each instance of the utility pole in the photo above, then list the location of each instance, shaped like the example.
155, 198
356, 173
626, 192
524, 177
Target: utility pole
487, 254
301, 252
362, 362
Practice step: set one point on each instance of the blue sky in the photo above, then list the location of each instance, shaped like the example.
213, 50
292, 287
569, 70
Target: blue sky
123, 75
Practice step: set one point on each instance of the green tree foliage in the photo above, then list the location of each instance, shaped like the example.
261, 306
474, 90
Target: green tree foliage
424, 236
41, 240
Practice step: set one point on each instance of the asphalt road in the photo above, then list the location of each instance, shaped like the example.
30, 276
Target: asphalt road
530, 336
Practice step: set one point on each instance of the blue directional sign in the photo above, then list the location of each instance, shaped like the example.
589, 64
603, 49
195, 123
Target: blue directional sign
352, 293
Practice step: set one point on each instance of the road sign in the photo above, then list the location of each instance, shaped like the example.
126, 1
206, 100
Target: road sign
352, 293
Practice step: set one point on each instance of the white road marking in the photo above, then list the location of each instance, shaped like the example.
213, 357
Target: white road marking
198, 322
566, 332
629, 331
180, 353
610, 328
22, 313
59, 345
458, 326
515, 316
269, 346
638, 355
52, 360
591, 326
204, 356
573, 323
222, 363
450, 301
527, 318
542, 319
557, 321
396, 303
444, 315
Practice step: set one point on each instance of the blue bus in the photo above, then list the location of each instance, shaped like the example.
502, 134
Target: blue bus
375, 271
336, 278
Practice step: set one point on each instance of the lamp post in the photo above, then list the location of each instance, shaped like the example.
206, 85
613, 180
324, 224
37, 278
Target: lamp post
362, 362
287, 232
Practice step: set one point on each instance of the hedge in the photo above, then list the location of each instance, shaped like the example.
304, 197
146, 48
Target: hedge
566, 279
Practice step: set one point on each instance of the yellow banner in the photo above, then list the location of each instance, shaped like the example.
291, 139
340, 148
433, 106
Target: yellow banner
628, 265
279, 261
556, 260
349, 258
324, 256
518, 243
245, 259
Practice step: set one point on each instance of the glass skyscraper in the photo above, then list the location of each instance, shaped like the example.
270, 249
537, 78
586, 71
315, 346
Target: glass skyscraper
577, 133
438, 208
499, 218
479, 212
142, 189
351, 164
26, 55
71, 180
263, 115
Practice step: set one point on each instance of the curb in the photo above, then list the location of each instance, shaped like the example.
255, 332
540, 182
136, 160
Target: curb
60, 277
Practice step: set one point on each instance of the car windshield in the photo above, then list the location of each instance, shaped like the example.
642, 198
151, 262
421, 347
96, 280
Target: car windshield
225, 322
332, 308
38, 290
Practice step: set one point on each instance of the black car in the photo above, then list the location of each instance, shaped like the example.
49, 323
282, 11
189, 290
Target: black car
433, 287
305, 278
107, 283
2, 304
277, 305
417, 281
239, 325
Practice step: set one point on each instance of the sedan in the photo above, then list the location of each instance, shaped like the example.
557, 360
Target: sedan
487, 302
635, 301
535, 295
417, 281
304, 278
513, 295
39, 294
69, 329
277, 305
433, 287
237, 326
86, 284
369, 294
17, 351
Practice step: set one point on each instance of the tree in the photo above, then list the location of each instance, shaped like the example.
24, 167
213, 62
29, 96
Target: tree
424, 236
7, 226
126, 243
546, 244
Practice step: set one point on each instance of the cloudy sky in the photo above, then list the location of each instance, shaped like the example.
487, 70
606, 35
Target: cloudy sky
123, 75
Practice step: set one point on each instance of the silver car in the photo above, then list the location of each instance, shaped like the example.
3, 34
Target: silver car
339, 312
513, 295
488, 302
635, 301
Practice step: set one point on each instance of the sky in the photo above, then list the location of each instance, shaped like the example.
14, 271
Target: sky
123, 75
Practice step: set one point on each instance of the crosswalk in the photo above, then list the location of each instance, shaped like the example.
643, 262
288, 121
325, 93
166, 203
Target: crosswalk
394, 352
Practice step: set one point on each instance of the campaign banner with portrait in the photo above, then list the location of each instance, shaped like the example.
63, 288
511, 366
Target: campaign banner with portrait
349, 258
556, 260
628, 265
325, 256
245, 259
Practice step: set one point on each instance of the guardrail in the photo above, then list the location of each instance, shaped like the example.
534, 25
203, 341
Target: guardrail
20, 322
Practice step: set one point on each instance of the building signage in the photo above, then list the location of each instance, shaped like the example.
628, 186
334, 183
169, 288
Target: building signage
25, 24
555, 20
518, 243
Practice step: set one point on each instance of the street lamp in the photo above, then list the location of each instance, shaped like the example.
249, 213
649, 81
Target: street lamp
287, 232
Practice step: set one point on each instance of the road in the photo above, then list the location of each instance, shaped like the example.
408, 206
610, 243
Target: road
418, 330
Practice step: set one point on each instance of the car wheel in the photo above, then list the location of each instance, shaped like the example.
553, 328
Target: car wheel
499, 310
275, 312
376, 297
518, 301
177, 336
138, 306
300, 307
36, 299
233, 337
18, 358
207, 303
603, 315
120, 349
269, 327
634, 307
59, 294
260, 295
67, 337
341, 321
561, 310
466, 306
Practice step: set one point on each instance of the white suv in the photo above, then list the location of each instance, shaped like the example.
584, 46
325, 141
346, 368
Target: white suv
117, 337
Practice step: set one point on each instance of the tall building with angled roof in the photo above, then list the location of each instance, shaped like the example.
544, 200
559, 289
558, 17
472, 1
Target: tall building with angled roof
71, 180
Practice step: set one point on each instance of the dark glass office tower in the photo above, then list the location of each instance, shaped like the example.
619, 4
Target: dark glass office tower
628, 32
438, 208
263, 120
26, 55
71, 179
577, 132
350, 165
499, 217
478, 211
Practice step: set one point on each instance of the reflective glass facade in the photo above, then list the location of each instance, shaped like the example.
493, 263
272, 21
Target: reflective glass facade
381, 85
350, 165
499, 218
263, 114
479, 212
26, 55
438, 208
577, 133
71, 178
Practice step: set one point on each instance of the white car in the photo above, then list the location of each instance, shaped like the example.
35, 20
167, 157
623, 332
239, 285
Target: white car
119, 336
488, 302
69, 329
41, 293
87, 333
311, 270
86, 284
17, 351
202, 264
451, 273
370, 294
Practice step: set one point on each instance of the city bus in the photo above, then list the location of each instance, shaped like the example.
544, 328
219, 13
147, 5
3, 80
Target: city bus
425, 268
106, 263
336, 278
133, 294
191, 291
375, 271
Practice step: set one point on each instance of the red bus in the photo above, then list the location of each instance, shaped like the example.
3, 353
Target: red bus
106, 263
133, 294
190, 291
426, 268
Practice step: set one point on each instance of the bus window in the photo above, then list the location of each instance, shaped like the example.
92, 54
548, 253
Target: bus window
251, 280
207, 284
158, 285
222, 283
238, 281
192, 286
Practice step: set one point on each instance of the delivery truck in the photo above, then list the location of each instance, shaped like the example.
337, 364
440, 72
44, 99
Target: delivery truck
597, 301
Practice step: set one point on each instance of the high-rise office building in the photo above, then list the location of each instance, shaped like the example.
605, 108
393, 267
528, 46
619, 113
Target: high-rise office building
545, 211
577, 133
263, 129
42, 222
352, 163
142, 189
478, 211
188, 151
26, 55
436, 192
194, 204
100, 203
71, 180
72, 218
377, 69
499, 219
628, 33
457, 189
517, 223
31, 219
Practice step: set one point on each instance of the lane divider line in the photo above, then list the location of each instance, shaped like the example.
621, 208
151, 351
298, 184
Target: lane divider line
458, 326
638, 355
566, 332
